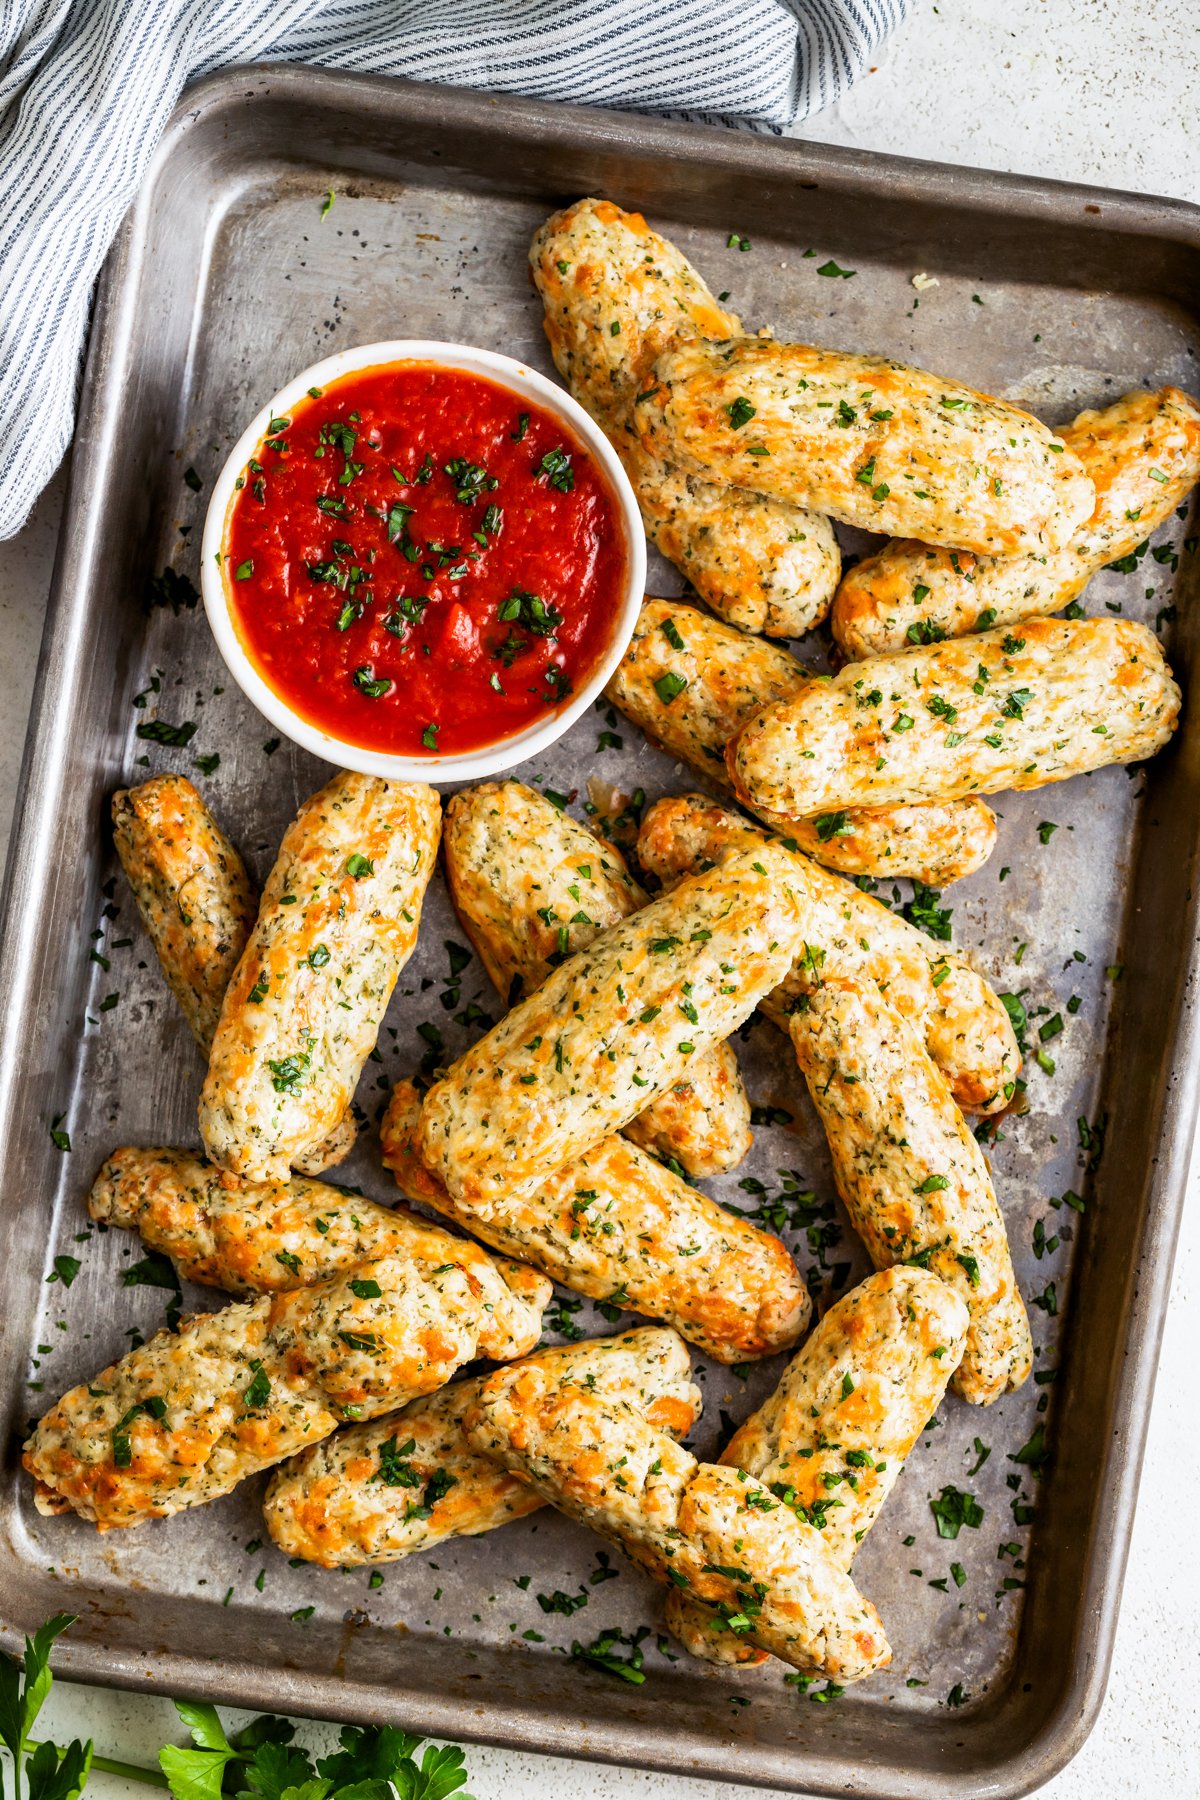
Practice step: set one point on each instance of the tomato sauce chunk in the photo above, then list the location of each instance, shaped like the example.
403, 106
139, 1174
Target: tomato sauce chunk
421, 560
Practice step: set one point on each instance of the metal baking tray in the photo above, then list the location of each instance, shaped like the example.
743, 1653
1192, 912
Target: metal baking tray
225, 280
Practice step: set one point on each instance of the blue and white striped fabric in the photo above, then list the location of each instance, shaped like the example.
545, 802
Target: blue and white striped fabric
86, 87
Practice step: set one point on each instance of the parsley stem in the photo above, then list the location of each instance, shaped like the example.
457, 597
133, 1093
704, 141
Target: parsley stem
110, 1765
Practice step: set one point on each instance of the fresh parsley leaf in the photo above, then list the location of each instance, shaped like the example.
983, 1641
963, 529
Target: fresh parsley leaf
203, 1723
556, 467
923, 910
953, 1509
668, 687
368, 683
154, 1270
175, 736
194, 1774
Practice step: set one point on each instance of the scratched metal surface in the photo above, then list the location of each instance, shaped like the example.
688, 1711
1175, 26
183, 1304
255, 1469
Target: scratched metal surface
227, 281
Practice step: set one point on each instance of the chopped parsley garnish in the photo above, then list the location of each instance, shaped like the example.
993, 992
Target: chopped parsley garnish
171, 589
258, 1391
471, 480
668, 687
154, 1270
372, 685
531, 611
289, 1073
602, 1652
923, 911
953, 1509
566, 1604
174, 736
740, 412
360, 1340
556, 467
335, 434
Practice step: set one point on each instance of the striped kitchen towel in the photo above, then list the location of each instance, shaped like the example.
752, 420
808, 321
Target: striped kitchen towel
86, 87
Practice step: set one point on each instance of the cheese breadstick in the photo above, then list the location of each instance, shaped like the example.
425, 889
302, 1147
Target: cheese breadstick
702, 1527
531, 887
610, 1030
832, 1439
376, 1493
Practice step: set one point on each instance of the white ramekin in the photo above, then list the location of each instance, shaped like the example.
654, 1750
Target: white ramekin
469, 765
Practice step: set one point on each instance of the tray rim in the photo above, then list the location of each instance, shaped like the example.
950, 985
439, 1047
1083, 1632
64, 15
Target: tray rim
1062, 1732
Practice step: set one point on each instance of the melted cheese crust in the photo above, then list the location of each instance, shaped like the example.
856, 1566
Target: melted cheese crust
616, 295
869, 441
191, 888
617, 1225
700, 1526
186, 1417
1143, 456
610, 1030
977, 715
832, 1439
343, 1503
964, 1025
338, 921
727, 677
270, 1237
911, 1174
198, 906
530, 887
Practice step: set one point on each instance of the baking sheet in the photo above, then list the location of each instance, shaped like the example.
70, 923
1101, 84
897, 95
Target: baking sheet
227, 279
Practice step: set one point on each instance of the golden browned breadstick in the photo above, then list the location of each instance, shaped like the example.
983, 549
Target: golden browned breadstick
910, 1172
1004, 709
337, 922
609, 1030
272, 1236
617, 1225
375, 1493
691, 682
1143, 454
531, 886
831, 1440
966, 1029
187, 1416
705, 1528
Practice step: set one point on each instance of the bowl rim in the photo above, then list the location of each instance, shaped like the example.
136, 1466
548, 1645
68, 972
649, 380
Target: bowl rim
489, 759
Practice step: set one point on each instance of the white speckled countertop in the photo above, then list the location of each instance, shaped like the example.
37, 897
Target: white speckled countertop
1087, 90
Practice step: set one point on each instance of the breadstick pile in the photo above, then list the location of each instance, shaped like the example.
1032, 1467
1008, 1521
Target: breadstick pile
564, 1146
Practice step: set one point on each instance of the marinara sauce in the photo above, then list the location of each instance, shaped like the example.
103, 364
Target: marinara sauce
421, 560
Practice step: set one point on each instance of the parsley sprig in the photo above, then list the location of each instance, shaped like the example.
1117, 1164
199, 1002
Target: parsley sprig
259, 1762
